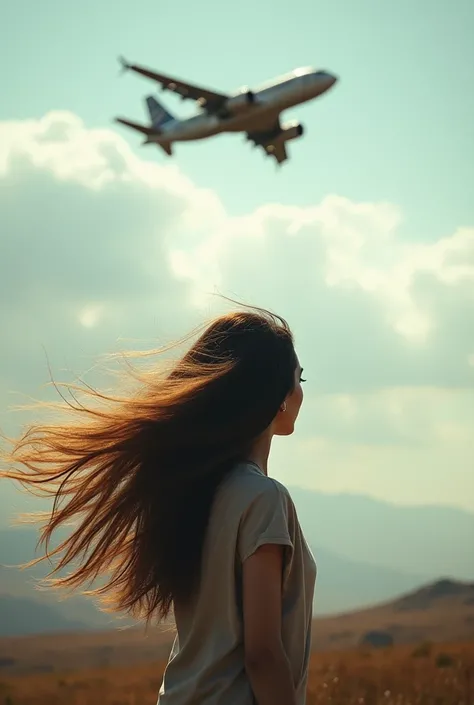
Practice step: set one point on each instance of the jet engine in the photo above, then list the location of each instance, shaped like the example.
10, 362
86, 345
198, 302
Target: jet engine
240, 103
290, 131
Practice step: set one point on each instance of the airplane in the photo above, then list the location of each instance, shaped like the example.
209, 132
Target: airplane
254, 112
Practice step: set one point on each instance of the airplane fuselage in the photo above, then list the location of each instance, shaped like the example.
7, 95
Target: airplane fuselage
266, 102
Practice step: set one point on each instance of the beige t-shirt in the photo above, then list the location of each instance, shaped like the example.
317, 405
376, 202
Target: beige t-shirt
206, 665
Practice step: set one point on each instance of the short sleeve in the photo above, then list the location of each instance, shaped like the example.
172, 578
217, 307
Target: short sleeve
266, 521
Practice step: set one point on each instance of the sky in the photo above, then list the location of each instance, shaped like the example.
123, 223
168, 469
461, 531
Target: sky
364, 240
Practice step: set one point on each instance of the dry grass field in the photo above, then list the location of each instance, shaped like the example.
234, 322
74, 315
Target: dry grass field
432, 662
403, 675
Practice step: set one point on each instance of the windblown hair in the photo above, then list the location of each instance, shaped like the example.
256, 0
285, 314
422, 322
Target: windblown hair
137, 475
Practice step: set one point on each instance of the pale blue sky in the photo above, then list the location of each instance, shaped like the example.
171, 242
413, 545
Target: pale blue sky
399, 126
380, 296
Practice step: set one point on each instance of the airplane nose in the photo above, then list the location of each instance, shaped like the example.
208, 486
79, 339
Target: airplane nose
325, 79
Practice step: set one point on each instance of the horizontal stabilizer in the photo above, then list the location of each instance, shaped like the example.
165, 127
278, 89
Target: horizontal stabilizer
144, 129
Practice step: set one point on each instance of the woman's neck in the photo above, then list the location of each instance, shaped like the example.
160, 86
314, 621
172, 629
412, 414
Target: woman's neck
260, 451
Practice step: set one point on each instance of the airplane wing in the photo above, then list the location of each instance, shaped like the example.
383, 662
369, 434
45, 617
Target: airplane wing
209, 100
265, 138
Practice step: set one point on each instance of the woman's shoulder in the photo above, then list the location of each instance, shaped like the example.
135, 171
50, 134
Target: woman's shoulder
247, 474
246, 482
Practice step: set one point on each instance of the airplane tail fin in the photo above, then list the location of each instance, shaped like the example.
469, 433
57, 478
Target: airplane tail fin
158, 114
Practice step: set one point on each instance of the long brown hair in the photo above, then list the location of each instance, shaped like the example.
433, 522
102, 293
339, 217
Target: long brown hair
137, 474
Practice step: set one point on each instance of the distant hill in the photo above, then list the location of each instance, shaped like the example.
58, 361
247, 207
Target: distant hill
346, 584
417, 540
425, 541
46, 611
444, 592
17, 546
367, 552
439, 612
20, 616
19, 592
342, 584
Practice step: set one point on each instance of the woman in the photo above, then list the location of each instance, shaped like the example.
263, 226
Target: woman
174, 512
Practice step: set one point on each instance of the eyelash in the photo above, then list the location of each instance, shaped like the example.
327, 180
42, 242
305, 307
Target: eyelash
302, 380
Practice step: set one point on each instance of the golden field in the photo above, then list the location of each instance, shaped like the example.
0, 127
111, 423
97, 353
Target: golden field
421, 675
432, 662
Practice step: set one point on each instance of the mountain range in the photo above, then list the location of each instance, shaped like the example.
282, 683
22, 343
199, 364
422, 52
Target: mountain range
367, 552
428, 540
439, 612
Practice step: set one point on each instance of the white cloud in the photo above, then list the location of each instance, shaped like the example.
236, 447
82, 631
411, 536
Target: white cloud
346, 246
98, 244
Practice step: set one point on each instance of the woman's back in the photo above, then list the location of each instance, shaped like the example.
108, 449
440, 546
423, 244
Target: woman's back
139, 477
207, 660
